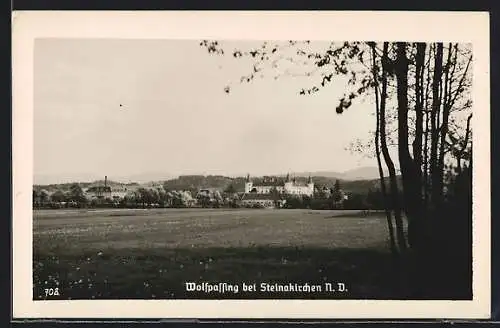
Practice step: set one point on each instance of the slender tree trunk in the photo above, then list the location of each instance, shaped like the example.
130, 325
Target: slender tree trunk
452, 99
464, 146
436, 104
426, 136
388, 214
444, 125
396, 203
452, 73
420, 268
409, 169
419, 104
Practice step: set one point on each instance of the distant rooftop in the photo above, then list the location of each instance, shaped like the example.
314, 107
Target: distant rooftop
269, 183
273, 181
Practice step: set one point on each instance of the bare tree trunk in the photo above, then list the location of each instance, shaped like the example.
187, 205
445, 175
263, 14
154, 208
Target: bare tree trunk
409, 170
452, 99
436, 104
396, 203
417, 142
464, 145
452, 74
421, 271
426, 136
419, 104
388, 214
444, 127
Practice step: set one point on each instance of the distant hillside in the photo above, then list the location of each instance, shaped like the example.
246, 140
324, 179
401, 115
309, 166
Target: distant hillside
196, 182
84, 185
40, 179
47, 179
354, 186
361, 173
145, 177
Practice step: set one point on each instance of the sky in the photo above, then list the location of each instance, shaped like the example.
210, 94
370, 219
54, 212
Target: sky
175, 117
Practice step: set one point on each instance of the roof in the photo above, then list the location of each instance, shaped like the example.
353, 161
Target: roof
278, 182
269, 181
268, 184
208, 189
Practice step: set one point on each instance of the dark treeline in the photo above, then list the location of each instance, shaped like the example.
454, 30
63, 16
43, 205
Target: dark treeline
136, 198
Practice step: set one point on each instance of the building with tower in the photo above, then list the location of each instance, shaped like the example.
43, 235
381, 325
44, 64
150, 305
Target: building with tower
286, 186
100, 192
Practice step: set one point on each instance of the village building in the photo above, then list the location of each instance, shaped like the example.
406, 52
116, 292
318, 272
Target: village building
99, 192
211, 193
182, 197
271, 191
285, 186
262, 200
120, 192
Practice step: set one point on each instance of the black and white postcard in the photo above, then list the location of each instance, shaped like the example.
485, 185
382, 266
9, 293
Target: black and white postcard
251, 164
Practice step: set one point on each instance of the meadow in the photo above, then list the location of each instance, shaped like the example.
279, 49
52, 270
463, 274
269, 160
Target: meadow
151, 253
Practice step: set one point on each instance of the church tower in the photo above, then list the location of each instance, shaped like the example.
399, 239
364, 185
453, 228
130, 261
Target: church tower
288, 185
310, 185
248, 184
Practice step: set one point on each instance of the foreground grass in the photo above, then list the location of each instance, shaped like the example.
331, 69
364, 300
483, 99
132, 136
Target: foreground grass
151, 254
154, 273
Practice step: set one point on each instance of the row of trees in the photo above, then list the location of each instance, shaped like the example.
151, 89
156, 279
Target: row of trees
145, 197
72, 197
422, 102
371, 200
431, 84
141, 197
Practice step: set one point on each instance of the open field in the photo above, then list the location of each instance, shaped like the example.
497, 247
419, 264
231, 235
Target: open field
144, 254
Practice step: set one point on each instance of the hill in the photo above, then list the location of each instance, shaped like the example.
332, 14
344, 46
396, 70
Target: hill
47, 179
196, 182
84, 185
361, 173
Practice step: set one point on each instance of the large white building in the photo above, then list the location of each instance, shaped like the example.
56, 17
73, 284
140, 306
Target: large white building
285, 186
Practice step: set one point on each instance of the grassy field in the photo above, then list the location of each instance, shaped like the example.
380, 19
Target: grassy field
145, 254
